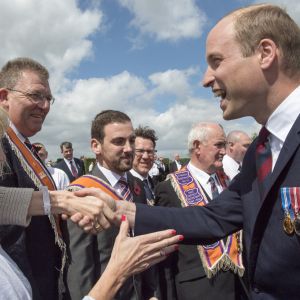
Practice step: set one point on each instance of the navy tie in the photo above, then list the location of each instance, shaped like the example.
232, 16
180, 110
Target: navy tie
263, 159
214, 189
149, 194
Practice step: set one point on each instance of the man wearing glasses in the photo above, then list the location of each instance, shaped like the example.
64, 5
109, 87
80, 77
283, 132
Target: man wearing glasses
145, 142
39, 249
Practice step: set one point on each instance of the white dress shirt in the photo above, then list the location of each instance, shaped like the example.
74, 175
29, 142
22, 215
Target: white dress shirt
113, 178
281, 121
230, 166
203, 179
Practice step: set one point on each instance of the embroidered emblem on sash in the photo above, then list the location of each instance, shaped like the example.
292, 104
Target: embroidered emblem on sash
217, 256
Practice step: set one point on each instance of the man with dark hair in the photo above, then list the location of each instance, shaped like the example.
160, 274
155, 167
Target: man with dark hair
145, 142
72, 166
39, 249
112, 141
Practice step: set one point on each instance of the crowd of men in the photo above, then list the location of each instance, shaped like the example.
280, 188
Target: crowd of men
232, 205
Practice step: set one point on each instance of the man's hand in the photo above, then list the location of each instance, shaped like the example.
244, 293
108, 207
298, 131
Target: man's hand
88, 212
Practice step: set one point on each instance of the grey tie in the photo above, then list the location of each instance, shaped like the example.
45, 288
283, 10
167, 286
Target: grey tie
214, 189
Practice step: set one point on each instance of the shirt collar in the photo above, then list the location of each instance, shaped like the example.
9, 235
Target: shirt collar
111, 176
136, 174
200, 175
282, 119
17, 132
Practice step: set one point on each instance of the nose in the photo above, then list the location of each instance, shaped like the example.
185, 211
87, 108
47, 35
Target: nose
44, 104
208, 78
128, 147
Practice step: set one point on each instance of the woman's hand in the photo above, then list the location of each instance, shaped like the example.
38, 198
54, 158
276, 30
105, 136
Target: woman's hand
131, 255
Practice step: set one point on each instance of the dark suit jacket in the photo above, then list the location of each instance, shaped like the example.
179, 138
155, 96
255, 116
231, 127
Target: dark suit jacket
63, 166
33, 248
271, 254
91, 253
173, 167
183, 276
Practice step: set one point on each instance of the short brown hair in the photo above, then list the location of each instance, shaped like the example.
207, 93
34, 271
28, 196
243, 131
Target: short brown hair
254, 23
104, 118
12, 71
146, 133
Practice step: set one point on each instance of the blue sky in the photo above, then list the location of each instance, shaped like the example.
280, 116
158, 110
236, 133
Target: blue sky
143, 57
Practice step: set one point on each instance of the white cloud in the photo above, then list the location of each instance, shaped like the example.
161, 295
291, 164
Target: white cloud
70, 118
56, 33
167, 19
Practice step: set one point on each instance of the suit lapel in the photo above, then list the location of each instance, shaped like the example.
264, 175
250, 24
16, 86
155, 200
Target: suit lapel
289, 147
136, 188
96, 172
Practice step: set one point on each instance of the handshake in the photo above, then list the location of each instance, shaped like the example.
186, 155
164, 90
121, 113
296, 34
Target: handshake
91, 209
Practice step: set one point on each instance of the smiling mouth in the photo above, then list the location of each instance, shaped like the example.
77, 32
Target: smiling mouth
219, 94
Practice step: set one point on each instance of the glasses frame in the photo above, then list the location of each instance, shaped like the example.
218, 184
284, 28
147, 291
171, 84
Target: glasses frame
36, 95
141, 152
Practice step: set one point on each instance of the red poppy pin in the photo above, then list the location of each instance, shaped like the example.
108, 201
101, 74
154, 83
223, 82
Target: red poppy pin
136, 188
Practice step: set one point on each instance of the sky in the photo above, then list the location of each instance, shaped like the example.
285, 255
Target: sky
143, 57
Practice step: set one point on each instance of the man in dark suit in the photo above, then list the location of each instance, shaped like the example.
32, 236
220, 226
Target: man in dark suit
113, 144
145, 142
37, 249
254, 67
183, 274
72, 166
175, 165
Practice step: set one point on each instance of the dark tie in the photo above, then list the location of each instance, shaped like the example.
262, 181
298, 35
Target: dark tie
149, 194
124, 189
31, 148
214, 189
263, 159
73, 169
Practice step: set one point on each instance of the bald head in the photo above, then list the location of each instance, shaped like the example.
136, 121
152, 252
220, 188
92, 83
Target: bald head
237, 145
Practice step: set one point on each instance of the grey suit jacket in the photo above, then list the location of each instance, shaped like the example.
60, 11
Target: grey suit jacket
91, 253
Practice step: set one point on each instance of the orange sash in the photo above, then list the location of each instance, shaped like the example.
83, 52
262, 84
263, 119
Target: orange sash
220, 255
90, 181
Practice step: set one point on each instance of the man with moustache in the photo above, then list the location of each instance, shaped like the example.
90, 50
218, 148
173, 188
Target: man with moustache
112, 141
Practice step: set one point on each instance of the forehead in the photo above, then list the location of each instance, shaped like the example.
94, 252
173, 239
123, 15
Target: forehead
220, 37
141, 142
33, 80
67, 148
114, 130
216, 133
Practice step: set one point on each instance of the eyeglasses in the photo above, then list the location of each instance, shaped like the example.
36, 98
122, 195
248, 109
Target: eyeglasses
140, 152
35, 97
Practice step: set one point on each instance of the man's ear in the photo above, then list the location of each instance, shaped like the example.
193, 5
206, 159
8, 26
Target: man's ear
4, 99
268, 53
196, 146
96, 146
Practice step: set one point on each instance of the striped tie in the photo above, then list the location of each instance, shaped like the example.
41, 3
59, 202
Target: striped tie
214, 189
73, 169
263, 159
124, 189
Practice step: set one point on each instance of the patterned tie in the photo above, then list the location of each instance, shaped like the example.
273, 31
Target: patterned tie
149, 194
214, 189
73, 169
124, 189
263, 159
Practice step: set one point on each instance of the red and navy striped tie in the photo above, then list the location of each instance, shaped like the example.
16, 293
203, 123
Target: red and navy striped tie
263, 159
125, 191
